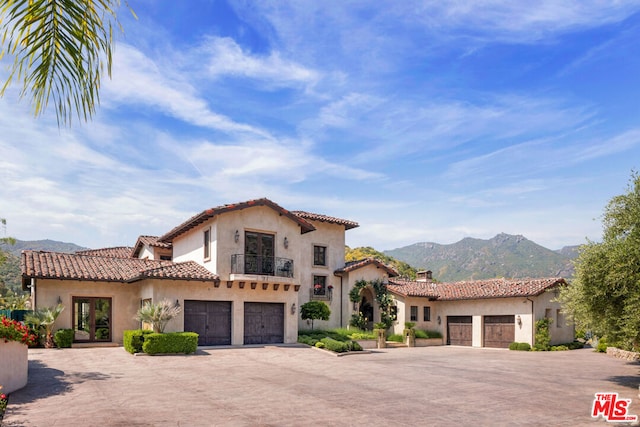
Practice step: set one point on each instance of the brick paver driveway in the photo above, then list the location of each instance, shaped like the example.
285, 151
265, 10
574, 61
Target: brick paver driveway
297, 386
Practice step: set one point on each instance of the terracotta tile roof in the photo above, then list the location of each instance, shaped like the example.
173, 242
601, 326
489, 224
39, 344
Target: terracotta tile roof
54, 265
203, 216
149, 241
413, 289
354, 265
476, 289
325, 218
116, 252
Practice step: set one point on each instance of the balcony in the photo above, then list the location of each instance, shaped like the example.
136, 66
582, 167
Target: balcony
261, 265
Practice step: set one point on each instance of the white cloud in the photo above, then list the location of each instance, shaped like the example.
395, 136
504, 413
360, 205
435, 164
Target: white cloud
228, 58
138, 79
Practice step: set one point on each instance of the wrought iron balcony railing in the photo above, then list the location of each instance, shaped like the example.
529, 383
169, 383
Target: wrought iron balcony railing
261, 265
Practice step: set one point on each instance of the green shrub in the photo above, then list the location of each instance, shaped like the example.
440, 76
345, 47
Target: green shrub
524, 346
63, 338
132, 340
169, 343
513, 346
355, 346
427, 334
334, 345
575, 345
395, 338
602, 346
319, 344
559, 348
409, 325
306, 339
543, 337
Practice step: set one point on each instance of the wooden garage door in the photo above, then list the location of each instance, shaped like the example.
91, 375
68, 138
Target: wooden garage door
499, 331
211, 320
459, 330
263, 323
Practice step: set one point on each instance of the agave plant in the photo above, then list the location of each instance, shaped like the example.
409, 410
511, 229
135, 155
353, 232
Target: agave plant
158, 315
44, 318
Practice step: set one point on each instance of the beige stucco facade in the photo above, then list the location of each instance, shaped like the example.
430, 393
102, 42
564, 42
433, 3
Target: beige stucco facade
520, 307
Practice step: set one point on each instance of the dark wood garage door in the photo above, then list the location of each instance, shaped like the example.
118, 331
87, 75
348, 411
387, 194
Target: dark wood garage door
499, 331
211, 320
459, 330
263, 323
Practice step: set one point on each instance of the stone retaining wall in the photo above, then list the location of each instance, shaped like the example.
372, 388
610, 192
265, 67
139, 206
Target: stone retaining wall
623, 354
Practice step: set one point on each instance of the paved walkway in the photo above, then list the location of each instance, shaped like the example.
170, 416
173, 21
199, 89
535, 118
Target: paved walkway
298, 386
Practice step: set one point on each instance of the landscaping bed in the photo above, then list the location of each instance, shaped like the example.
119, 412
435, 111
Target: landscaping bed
336, 340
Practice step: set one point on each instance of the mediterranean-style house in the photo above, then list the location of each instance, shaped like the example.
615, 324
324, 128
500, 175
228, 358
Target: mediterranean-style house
240, 273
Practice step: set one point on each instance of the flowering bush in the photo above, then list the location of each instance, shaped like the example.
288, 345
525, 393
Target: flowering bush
11, 330
3, 403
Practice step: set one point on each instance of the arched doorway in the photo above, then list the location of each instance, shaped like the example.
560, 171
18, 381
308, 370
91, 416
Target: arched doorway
366, 307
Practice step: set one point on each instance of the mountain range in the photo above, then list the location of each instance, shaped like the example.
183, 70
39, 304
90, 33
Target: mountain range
505, 255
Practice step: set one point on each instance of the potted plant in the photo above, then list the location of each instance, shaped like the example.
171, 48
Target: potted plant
380, 329
409, 334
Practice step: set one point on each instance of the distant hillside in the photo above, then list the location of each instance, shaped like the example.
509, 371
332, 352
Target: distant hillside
40, 245
10, 270
504, 255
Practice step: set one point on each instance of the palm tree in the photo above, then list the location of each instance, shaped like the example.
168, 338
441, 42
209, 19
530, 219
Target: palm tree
158, 315
44, 318
60, 50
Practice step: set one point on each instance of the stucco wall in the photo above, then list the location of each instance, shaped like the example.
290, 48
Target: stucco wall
14, 366
208, 292
332, 237
125, 301
521, 307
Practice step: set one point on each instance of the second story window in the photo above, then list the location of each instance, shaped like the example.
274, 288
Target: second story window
207, 244
319, 255
319, 285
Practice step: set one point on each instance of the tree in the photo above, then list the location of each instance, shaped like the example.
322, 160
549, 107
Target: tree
605, 295
158, 315
60, 50
45, 318
315, 310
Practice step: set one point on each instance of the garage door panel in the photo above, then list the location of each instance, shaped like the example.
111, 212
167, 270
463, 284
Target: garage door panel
263, 323
499, 331
211, 320
460, 330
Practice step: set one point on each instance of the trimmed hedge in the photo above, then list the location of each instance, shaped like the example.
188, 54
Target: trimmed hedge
169, 343
63, 338
520, 346
133, 339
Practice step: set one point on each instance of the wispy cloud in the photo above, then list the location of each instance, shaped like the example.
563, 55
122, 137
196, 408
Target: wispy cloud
227, 58
137, 79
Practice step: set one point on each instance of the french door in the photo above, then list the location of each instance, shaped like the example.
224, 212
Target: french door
258, 253
92, 319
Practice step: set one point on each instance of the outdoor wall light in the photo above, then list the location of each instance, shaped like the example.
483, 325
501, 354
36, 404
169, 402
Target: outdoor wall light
286, 243
177, 303
519, 320
59, 300
293, 308
236, 236
439, 320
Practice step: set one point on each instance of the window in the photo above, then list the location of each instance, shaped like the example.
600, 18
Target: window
319, 285
547, 313
427, 314
414, 313
558, 318
207, 244
319, 255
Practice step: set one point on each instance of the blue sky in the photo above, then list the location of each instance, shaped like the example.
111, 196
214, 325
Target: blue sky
428, 121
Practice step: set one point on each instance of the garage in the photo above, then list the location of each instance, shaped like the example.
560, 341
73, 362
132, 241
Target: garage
459, 330
499, 331
263, 323
211, 320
